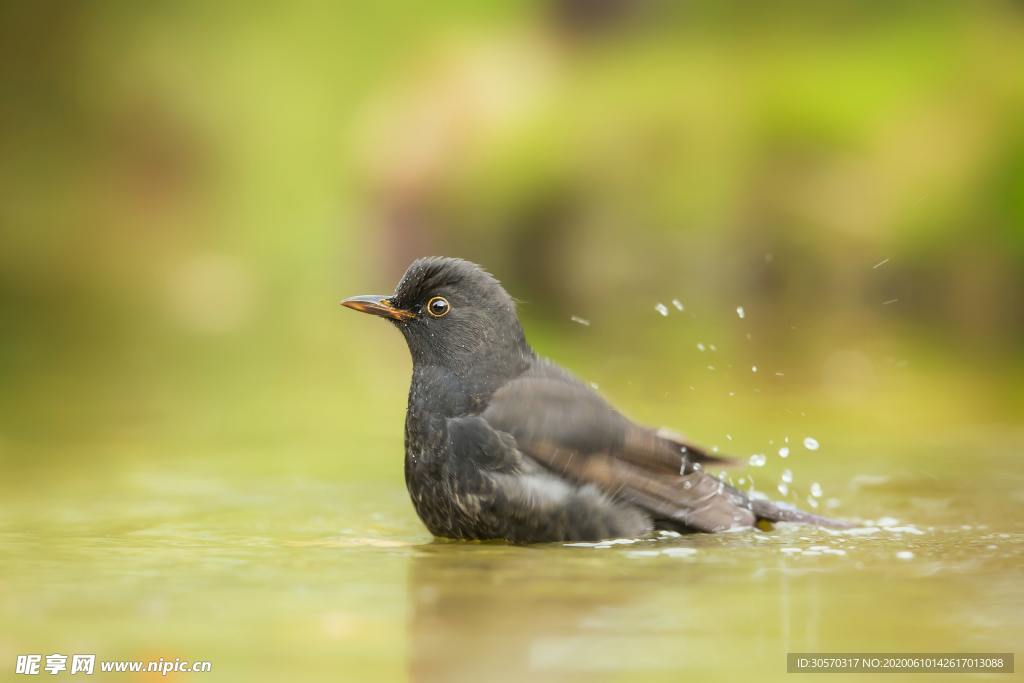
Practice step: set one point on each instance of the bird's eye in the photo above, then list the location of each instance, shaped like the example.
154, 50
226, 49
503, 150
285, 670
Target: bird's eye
438, 307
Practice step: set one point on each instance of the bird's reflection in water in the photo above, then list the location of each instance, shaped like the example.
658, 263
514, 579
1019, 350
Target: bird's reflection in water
483, 612
492, 612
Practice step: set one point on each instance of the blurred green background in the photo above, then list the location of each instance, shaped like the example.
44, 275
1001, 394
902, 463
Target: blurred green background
191, 187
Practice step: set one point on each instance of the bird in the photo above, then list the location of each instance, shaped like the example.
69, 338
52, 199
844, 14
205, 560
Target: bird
503, 444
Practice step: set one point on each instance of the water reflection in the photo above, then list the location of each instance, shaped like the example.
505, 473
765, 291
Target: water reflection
487, 612
697, 606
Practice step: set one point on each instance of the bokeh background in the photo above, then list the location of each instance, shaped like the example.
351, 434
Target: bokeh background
190, 188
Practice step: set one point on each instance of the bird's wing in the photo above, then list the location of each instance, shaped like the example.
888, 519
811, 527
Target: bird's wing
571, 430
525, 501
640, 438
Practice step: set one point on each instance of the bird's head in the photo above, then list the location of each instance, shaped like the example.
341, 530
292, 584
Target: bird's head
453, 314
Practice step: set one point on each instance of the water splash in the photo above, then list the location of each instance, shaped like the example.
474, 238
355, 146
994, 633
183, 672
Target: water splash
810, 443
602, 544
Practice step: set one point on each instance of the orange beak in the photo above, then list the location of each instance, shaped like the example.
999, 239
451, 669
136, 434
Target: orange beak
377, 305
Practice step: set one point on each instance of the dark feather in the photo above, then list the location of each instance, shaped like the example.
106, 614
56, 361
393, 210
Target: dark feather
570, 429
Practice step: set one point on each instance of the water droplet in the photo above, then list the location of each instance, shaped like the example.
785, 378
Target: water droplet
661, 308
816, 490
580, 321
757, 460
729, 437
753, 368
783, 489
740, 312
810, 443
905, 555
787, 476
678, 304
784, 452
700, 346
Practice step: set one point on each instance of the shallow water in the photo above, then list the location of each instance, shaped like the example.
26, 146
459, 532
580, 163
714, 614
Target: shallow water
322, 579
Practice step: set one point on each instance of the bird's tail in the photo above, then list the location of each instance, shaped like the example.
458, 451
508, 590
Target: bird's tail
771, 511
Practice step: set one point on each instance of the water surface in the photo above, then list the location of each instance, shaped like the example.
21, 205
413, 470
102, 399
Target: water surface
322, 578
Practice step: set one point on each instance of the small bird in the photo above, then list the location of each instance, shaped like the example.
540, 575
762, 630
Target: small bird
503, 444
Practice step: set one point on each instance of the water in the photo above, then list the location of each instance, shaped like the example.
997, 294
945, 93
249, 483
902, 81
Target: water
325, 578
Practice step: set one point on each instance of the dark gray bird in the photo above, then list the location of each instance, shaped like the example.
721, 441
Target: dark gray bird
503, 444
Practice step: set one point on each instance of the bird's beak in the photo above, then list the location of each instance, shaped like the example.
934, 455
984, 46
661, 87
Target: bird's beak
377, 305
